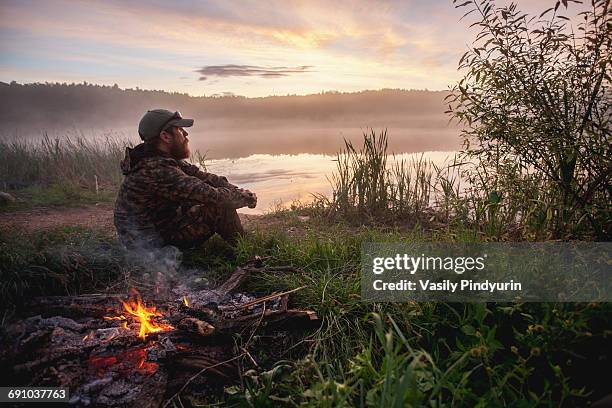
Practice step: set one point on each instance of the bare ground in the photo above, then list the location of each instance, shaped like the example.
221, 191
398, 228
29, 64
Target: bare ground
98, 216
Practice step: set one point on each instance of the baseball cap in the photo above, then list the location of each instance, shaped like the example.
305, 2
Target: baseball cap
156, 120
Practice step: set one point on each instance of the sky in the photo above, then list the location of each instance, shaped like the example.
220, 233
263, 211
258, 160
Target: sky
249, 47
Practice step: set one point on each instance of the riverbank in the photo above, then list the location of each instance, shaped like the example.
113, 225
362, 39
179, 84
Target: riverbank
363, 354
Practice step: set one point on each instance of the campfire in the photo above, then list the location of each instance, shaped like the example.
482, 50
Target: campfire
112, 350
145, 316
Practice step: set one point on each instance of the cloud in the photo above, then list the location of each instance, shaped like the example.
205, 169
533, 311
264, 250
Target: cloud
223, 94
283, 38
231, 70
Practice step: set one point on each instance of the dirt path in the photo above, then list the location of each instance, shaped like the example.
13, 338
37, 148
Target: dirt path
94, 216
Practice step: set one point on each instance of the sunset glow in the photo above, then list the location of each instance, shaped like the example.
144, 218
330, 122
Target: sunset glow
345, 45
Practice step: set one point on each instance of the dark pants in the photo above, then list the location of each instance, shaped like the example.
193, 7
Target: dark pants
194, 225
188, 227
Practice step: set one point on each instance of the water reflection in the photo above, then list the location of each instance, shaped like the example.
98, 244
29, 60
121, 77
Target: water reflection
281, 179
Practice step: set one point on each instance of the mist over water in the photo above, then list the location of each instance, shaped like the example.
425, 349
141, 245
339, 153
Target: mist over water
231, 142
233, 127
235, 143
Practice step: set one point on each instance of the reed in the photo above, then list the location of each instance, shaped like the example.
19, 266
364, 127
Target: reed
76, 161
370, 186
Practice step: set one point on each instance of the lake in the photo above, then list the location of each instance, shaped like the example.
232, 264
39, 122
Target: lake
286, 163
280, 179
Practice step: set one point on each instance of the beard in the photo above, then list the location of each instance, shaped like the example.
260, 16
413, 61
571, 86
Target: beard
179, 151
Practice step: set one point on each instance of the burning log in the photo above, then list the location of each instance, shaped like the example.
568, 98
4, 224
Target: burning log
193, 325
100, 305
145, 316
96, 305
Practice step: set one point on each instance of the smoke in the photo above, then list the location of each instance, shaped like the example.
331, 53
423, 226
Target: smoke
156, 267
160, 266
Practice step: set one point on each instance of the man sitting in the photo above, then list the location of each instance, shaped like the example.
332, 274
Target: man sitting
164, 200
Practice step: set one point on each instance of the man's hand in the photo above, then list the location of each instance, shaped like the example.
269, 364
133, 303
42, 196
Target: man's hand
251, 198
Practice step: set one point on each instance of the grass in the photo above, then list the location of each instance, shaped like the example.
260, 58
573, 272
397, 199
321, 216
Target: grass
60, 172
68, 171
367, 187
372, 186
57, 195
82, 162
422, 353
63, 261
364, 354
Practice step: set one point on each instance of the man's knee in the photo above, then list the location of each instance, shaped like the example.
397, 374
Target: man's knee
199, 222
222, 220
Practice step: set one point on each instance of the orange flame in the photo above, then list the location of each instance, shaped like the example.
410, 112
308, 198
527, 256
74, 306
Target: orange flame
185, 301
145, 314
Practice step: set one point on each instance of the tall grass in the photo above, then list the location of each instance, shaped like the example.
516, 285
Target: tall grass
66, 261
91, 163
372, 185
369, 186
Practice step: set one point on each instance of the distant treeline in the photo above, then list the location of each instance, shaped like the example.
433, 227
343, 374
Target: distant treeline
58, 105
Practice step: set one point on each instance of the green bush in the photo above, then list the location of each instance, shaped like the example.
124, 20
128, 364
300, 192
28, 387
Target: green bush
536, 104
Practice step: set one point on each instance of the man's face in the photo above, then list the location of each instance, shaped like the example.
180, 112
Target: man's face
179, 145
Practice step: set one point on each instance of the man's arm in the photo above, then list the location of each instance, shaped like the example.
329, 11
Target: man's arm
175, 184
210, 178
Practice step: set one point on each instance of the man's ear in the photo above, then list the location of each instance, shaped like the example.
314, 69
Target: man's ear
165, 136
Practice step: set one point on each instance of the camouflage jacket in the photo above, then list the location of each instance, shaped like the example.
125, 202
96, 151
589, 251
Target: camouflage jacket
156, 186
